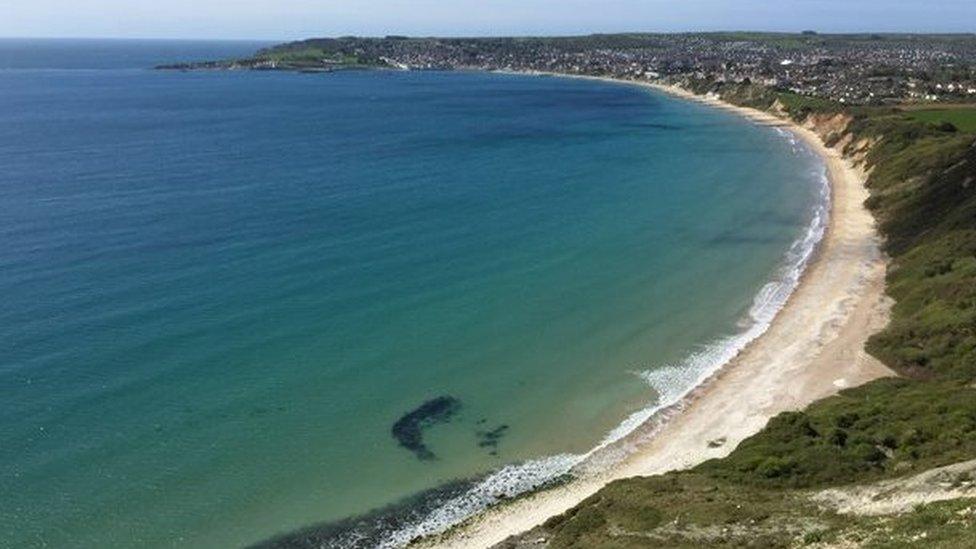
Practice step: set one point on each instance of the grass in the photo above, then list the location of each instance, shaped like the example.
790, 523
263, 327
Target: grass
933, 329
962, 118
923, 193
309, 56
800, 105
686, 510
689, 510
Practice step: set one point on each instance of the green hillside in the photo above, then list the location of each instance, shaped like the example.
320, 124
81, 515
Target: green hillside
963, 118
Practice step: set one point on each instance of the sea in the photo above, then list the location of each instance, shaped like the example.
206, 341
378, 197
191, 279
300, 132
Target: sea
346, 309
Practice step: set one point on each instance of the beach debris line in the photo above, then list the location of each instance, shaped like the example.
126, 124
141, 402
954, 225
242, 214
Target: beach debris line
409, 429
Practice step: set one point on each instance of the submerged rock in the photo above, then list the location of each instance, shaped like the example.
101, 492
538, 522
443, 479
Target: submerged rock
489, 439
408, 430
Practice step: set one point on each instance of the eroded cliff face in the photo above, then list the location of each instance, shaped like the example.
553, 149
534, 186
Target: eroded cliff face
830, 127
835, 131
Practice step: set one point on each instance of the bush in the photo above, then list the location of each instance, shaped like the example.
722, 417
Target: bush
921, 424
774, 467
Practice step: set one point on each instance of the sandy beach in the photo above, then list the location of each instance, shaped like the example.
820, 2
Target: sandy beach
814, 348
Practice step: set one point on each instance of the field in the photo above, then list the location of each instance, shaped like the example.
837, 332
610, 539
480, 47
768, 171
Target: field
963, 118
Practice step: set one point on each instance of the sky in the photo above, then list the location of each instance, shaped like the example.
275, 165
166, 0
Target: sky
292, 19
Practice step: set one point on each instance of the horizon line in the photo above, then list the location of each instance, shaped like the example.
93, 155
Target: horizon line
513, 35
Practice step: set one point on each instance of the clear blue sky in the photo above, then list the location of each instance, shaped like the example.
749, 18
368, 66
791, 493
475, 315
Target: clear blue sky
287, 19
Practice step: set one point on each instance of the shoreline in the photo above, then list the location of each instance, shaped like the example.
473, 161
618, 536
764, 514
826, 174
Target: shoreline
812, 348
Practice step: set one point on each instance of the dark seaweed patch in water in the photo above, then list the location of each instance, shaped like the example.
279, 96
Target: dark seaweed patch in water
489, 439
654, 125
409, 429
370, 529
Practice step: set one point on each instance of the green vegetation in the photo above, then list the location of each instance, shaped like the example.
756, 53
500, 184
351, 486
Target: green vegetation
962, 118
311, 55
933, 328
691, 510
923, 193
887, 428
758, 496
798, 106
686, 509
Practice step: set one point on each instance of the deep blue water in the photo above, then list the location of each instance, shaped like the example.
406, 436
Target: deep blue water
222, 289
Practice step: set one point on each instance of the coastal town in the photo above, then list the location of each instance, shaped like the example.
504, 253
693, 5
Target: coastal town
864, 69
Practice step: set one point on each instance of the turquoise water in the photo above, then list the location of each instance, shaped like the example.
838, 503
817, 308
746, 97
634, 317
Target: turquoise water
221, 290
